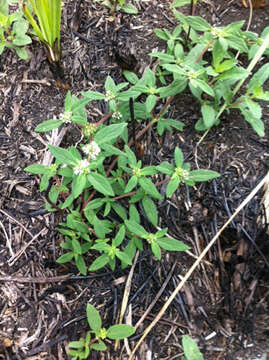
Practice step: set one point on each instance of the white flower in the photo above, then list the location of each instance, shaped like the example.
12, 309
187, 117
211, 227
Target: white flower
66, 117
92, 150
109, 95
117, 115
81, 167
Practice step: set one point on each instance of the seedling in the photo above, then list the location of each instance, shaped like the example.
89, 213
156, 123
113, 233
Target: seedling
191, 350
119, 5
94, 339
13, 29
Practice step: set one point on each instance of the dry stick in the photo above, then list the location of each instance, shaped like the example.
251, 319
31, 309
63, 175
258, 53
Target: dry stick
36, 280
146, 313
126, 294
15, 257
196, 263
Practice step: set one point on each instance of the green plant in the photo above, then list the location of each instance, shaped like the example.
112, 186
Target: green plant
13, 29
207, 65
191, 350
119, 5
101, 182
47, 29
179, 3
81, 349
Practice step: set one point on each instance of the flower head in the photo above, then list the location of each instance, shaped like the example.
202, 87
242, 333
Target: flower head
81, 167
89, 129
117, 115
109, 95
92, 150
66, 117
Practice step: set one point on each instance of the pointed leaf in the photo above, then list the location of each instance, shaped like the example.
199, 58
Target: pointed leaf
94, 319
100, 183
121, 331
172, 244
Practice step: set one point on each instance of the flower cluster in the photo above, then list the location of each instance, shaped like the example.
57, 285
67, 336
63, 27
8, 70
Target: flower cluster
117, 115
89, 129
66, 117
92, 150
109, 95
81, 167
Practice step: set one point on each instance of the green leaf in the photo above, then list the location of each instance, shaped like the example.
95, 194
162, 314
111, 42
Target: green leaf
203, 175
37, 169
174, 69
166, 168
62, 155
164, 57
178, 156
149, 170
191, 350
209, 115
150, 102
149, 77
149, 187
76, 344
197, 83
99, 263
78, 185
124, 257
161, 34
80, 263
234, 74
109, 133
179, 3
176, 87
100, 183
121, 331
135, 228
150, 210
94, 319
48, 125
198, 23
129, 9
237, 43
254, 108
130, 76
99, 227
22, 53
172, 244
93, 95
256, 124
110, 85
119, 210
119, 237
172, 186
65, 258
218, 53
155, 248
131, 184
130, 155
226, 65
134, 214
76, 246
100, 346
260, 76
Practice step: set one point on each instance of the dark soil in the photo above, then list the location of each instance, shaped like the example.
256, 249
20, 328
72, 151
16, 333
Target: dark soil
224, 305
